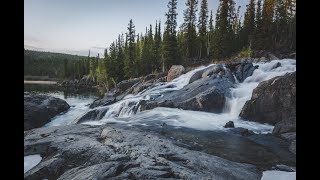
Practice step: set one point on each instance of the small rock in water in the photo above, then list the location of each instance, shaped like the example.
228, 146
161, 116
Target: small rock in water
229, 124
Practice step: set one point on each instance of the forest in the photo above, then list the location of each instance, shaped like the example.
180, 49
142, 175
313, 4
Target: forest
266, 25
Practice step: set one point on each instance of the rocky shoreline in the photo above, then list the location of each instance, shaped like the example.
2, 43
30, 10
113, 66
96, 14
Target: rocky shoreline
157, 150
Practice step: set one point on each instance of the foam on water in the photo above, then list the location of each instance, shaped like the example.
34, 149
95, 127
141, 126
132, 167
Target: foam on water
196, 119
78, 107
130, 103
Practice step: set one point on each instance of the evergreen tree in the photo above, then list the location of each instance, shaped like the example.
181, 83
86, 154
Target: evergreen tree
258, 35
267, 23
221, 46
211, 34
170, 45
203, 21
157, 48
130, 67
120, 60
249, 24
189, 28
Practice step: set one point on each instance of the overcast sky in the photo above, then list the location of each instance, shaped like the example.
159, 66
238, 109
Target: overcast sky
75, 26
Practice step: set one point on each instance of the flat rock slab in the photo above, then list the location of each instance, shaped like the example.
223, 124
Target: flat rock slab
108, 151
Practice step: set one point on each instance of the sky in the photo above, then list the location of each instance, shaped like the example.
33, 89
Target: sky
75, 26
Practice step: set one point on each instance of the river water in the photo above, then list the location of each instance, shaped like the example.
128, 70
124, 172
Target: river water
123, 112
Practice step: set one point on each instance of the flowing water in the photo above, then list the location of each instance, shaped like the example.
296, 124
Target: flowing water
126, 112
195, 119
121, 110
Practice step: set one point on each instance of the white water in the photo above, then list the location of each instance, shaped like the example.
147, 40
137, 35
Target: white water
196, 119
78, 107
31, 161
125, 107
278, 175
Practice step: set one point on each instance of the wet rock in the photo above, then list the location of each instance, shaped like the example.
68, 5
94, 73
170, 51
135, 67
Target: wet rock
212, 70
278, 64
123, 154
241, 70
126, 84
229, 124
290, 136
93, 115
39, 109
242, 131
282, 167
202, 95
274, 102
105, 101
292, 147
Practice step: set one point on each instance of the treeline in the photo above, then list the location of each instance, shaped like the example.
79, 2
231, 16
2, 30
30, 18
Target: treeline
57, 65
267, 25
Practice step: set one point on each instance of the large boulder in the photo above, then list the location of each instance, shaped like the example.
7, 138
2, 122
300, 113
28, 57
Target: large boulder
206, 94
39, 109
174, 72
274, 101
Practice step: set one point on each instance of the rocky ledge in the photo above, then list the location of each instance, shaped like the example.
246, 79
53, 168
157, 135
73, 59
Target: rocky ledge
39, 109
86, 152
274, 102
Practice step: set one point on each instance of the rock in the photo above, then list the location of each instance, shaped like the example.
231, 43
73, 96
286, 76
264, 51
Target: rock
272, 57
286, 125
293, 56
278, 64
292, 147
142, 86
174, 72
288, 136
286, 168
149, 77
229, 124
207, 94
197, 75
39, 109
93, 115
273, 101
242, 131
126, 84
110, 152
212, 70
105, 101
263, 59
241, 70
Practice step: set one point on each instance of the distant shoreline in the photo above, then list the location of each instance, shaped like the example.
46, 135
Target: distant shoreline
40, 82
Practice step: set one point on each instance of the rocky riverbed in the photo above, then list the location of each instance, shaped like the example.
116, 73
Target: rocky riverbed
180, 125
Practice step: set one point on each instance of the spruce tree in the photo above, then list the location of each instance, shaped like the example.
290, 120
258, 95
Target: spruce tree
258, 34
170, 45
130, 67
249, 24
203, 21
157, 48
211, 34
189, 28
